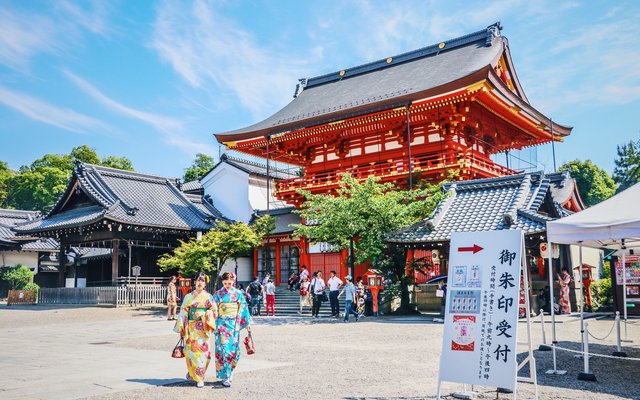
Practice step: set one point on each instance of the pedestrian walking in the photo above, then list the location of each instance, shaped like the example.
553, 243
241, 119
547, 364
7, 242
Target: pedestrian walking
349, 291
255, 290
305, 293
195, 324
361, 296
317, 291
270, 290
232, 317
172, 299
334, 284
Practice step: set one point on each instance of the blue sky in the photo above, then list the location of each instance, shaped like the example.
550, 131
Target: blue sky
153, 80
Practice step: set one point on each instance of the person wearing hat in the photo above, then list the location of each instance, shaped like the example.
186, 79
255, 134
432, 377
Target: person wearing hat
349, 291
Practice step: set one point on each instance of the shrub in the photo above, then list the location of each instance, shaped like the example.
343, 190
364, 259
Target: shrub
17, 277
31, 286
603, 293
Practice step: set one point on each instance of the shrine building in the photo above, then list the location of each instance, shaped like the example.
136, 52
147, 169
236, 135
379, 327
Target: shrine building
446, 108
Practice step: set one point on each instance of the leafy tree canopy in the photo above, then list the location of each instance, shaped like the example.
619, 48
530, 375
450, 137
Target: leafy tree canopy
594, 184
364, 212
17, 277
5, 175
226, 241
200, 166
627, 170
39, 184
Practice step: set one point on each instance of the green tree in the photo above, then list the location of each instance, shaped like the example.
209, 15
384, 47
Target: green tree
627, 170
360, 214
38, 185
594, 184
200, 166
17, 277
225, 242
117, 162
5, 176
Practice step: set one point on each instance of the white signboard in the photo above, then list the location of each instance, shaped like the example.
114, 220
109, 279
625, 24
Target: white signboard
481, 316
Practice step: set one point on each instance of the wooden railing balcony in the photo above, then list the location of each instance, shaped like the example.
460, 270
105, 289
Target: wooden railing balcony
470, 164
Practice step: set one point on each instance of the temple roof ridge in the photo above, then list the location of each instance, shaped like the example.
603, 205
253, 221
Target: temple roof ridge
484, 36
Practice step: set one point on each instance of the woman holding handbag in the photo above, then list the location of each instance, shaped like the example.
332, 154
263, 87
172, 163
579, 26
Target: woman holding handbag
195, 325
305, 293
233, 316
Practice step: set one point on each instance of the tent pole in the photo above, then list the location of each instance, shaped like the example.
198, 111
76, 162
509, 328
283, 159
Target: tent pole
581, 297
551, 298
624, 290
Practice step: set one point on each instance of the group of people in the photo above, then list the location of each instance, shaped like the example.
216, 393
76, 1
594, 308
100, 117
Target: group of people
203, 315
258, 292
312, 294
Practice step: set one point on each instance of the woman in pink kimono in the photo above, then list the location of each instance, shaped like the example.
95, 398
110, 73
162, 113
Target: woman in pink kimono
196, 324
564, 281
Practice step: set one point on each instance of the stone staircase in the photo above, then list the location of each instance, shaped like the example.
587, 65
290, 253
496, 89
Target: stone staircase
288, 304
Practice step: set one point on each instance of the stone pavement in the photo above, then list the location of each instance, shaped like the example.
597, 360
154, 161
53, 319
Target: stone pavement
83, 359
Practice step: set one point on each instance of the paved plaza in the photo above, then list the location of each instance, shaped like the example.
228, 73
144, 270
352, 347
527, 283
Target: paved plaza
106, 353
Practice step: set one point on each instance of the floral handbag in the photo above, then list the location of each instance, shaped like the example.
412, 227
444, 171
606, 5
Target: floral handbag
249, 345
178, 351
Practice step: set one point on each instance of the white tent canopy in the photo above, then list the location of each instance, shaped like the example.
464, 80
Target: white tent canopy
604, 225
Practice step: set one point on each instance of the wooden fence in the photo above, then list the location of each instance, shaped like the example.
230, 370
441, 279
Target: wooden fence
107, 295
21, 297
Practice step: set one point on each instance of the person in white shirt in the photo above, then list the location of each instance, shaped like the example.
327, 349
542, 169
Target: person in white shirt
304, 273
334, 284
270, 290
317, 291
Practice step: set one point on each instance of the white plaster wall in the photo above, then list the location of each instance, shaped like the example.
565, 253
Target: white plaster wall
11, 258
245, 268
590, 256
229, 191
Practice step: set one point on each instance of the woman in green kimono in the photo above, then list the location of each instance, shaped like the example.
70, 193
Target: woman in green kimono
233, 316
195, 325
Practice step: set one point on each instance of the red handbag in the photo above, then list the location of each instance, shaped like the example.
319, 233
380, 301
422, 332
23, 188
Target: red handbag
249, 345
178, 351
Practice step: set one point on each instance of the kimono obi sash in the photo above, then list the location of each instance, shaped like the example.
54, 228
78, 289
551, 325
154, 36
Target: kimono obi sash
197, 313
228, 309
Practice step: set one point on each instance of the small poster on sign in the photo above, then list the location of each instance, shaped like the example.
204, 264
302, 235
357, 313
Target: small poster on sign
464, 335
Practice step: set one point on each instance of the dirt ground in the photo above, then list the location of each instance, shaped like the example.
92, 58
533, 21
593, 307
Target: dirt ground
376, 358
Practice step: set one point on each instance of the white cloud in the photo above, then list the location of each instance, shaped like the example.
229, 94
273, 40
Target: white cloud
42, 111
209, 51
28, 34
173, 129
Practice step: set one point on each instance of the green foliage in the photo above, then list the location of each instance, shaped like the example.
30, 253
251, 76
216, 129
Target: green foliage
31, 286
17, 277
603, 293
365, 212
594, 184
627, 170
38, 185
5, 176
117, 162
226, 241
200, 166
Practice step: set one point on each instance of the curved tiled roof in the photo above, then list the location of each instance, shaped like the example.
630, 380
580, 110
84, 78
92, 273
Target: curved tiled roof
126, 197
511, 202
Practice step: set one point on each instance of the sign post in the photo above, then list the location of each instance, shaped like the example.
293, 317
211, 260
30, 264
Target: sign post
481, 314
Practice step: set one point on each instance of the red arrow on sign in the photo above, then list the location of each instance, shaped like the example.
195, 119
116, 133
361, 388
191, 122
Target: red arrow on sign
475, 248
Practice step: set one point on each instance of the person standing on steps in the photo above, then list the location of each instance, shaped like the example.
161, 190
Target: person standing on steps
305, 293
317, 291
334, 284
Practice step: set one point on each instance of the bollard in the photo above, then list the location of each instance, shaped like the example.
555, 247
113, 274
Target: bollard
586, 375
544, 346
618, 352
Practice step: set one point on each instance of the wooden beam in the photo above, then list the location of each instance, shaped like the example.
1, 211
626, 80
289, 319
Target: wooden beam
115, 245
